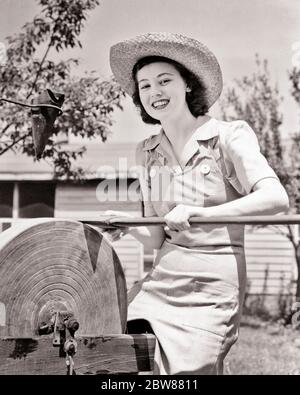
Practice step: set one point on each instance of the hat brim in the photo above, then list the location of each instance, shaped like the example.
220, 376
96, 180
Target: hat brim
192, 54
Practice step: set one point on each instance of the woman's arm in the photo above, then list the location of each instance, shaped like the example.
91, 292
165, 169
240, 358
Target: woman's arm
150, 236
268, 198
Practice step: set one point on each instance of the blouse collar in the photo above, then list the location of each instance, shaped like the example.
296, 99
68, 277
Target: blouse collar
161, 143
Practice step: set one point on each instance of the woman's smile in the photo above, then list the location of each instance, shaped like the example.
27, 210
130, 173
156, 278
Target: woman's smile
160, 104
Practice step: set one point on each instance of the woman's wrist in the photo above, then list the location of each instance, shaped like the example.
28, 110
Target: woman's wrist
200, 211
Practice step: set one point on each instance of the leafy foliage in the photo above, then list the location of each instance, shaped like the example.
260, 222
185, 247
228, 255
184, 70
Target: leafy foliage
256, 101
294, 76
89, 101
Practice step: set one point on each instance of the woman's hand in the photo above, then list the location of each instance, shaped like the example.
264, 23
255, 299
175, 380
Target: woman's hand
178, 218
115, 234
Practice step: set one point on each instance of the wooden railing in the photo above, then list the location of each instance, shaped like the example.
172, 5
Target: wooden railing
120, 221
148, 221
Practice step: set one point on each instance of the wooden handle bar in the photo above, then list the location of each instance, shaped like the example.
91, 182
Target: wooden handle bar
120, 222
148, 221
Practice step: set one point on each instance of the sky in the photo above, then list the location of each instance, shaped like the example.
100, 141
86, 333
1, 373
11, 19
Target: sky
235, 30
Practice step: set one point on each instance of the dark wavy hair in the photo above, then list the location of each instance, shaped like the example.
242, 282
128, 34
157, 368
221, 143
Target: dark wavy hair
196, 99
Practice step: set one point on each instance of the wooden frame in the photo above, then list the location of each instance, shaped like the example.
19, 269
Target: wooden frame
109, 354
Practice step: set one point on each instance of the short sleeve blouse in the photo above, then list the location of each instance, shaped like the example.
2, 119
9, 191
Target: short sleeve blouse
243, 163
141, 162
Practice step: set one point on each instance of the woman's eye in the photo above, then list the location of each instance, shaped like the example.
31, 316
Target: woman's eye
165, 81
143, 87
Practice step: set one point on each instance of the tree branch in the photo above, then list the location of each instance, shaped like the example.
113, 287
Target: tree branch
29, 94
275, 228
40, 68
13, 143
291, 237
5, 129
278, 230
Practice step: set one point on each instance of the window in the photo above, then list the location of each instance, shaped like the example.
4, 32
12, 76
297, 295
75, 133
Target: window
6, 199
36, 199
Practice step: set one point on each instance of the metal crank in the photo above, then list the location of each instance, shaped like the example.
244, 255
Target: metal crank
63, 325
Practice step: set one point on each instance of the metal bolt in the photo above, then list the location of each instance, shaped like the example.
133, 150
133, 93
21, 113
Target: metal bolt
71, 349
70, 346
72, 324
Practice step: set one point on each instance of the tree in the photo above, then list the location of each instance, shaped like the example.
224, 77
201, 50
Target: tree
89, 101
257, 100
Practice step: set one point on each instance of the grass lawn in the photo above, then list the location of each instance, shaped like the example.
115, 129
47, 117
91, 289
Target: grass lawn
264, 349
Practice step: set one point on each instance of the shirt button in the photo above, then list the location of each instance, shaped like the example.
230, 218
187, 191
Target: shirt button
152, 172
205, 169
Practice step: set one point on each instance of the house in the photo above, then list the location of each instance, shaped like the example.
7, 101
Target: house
28, 190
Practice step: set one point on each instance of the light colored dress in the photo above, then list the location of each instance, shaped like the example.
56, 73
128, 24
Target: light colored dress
194, 293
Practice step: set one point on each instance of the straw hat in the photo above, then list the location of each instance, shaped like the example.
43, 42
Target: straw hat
189, 52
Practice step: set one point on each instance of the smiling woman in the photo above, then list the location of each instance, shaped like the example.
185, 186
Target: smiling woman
196, 166
194, 90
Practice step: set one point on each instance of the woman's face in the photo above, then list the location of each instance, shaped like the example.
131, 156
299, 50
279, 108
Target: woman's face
162, 90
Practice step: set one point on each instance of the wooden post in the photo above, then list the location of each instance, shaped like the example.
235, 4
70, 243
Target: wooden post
109, 354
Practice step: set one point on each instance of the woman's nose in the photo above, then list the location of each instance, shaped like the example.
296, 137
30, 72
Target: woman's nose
156, 91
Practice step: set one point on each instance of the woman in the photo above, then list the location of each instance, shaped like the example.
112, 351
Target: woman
195, 166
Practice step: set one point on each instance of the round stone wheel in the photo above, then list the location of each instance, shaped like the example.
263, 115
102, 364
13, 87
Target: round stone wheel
49, 265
